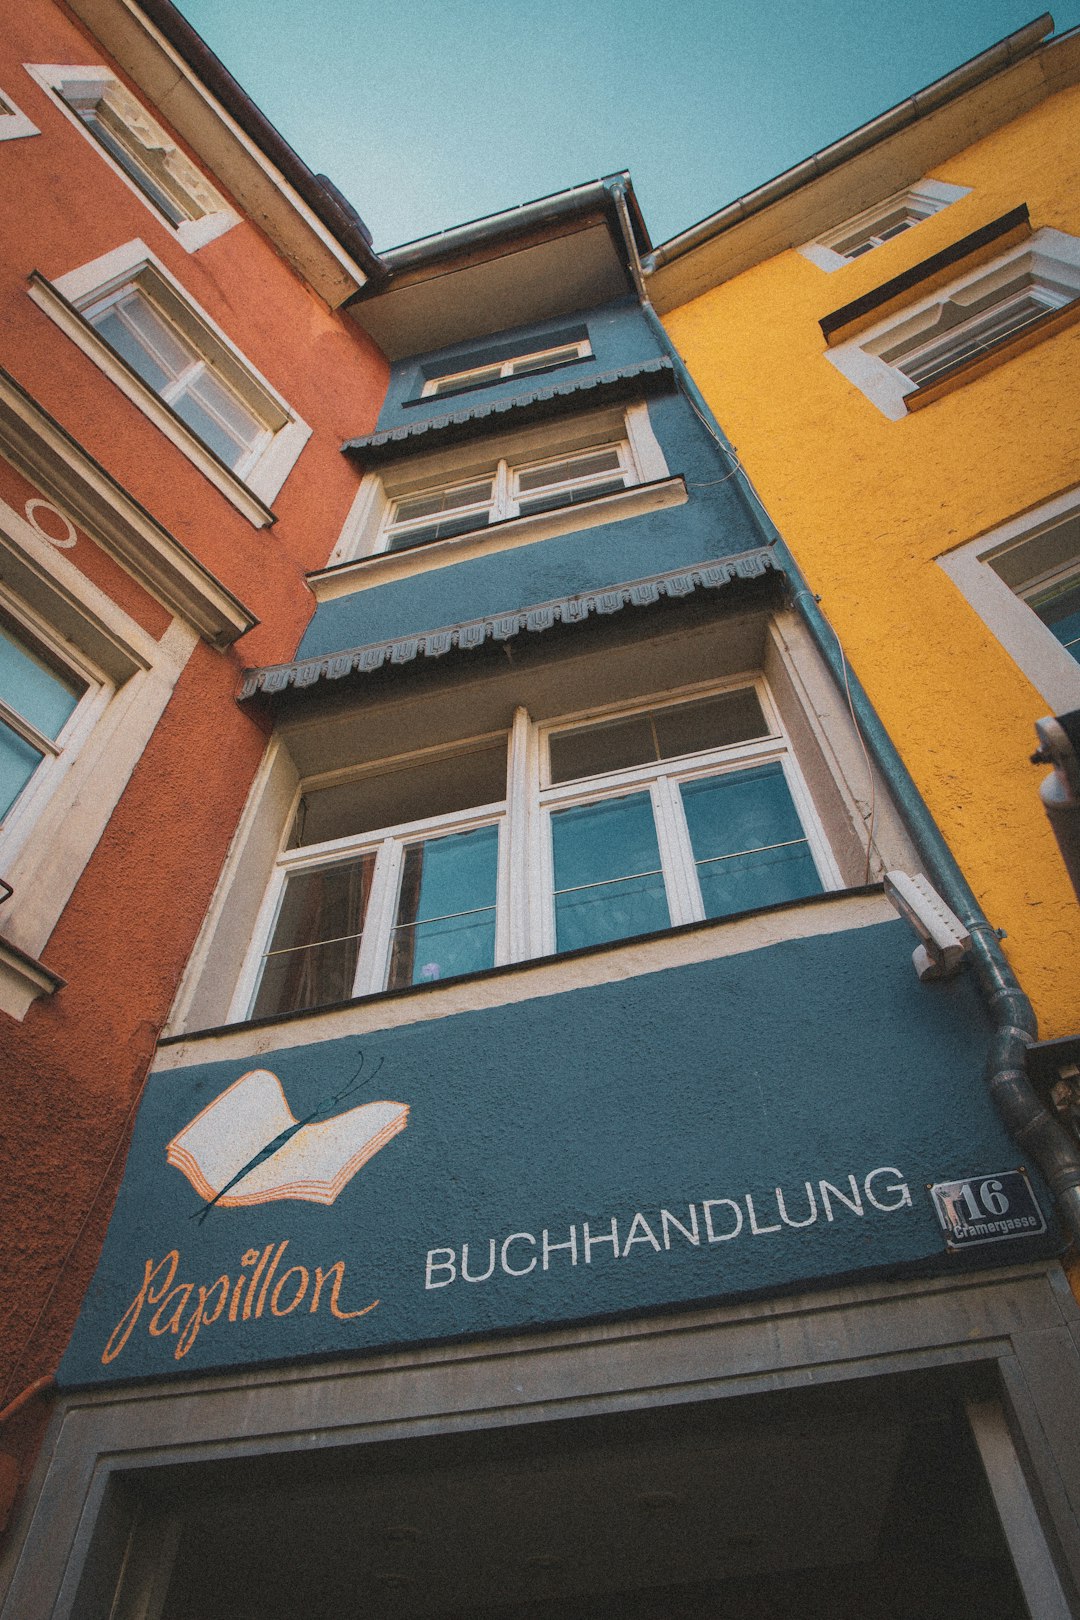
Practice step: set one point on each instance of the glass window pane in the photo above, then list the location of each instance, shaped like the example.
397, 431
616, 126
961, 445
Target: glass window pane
156, 334
412, 507
431, 788
610, 911
123, 340
34, 686
594, 750
18, 762
608, 883
223, 403
569, 495
312, 957
715, 722
114, 144
736, 822
446, 908
740, 810
595, 842
442, 530
684, 728
761, 878
589, 465
1061, 615
209, 429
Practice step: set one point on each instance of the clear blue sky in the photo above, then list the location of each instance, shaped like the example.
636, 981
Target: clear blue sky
427, 113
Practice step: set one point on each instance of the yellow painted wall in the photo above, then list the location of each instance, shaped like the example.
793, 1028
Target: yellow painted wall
867, 504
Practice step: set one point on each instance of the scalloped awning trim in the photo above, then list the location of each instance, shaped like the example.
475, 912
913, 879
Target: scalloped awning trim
305, 672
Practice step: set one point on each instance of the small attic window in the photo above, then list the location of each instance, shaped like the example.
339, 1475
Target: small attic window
524, 364
875, 226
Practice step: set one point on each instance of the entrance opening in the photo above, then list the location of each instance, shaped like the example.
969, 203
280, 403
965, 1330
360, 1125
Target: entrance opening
865, 1504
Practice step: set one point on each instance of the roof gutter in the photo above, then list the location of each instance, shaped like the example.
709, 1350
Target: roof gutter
948, 88
526, 217
324, 199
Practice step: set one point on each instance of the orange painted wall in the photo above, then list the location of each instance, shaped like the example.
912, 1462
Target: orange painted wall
73, 1069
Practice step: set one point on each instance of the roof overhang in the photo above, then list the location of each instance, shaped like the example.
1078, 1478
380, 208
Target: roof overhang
890, 152
545, 258
303, 215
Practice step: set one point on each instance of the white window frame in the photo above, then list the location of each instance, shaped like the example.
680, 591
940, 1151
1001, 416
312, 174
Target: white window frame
496, 371
1004, 608
505, 499
1048, 254
55, 823
922, 201
57, 752
525, 911
134, 268
210, 214
365, 533
14, 124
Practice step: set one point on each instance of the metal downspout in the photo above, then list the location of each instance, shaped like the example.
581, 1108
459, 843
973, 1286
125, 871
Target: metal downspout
1033, 1129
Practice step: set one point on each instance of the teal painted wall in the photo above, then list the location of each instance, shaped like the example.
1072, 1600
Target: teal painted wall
813, 1061
716, 521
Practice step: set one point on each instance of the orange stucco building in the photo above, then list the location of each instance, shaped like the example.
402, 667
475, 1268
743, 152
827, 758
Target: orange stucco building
177, 379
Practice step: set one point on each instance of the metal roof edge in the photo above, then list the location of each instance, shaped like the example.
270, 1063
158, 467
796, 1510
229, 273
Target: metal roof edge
995, 59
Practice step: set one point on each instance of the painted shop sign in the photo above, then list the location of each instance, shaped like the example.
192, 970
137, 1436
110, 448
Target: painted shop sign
688, 1136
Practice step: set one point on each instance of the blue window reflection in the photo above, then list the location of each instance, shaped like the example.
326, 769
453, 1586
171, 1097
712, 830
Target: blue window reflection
446, 908
748, 842
608, 882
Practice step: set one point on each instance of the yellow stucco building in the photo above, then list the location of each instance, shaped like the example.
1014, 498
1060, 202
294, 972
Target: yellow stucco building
890, 335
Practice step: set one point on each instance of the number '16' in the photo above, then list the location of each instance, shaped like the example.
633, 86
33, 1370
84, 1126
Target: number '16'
994, 1201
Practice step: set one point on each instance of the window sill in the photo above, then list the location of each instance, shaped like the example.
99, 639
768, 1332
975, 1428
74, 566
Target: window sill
75, 326
361, 573
22, 980
835, 911
1037, 331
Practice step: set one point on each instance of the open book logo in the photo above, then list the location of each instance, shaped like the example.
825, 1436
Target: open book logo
248, 1147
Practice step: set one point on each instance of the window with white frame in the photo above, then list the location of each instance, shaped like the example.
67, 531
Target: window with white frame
141, 327
1023, 579
170, 362
519, 365
539, 474
140, 150
41, 691
508, 491
637, 821
880, 223
975, 317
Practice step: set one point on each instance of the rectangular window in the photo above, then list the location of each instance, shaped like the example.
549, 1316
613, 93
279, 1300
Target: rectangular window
645, 820
521, 365
170, 364
508, 491
38, 696
138, 147
1023, 580
983, 315
880, 223
139, 325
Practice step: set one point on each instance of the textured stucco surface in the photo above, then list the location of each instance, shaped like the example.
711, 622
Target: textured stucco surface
72, 1071
820, 1058
867, 504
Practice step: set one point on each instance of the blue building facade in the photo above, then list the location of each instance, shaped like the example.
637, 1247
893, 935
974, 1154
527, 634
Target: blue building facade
552, 1054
